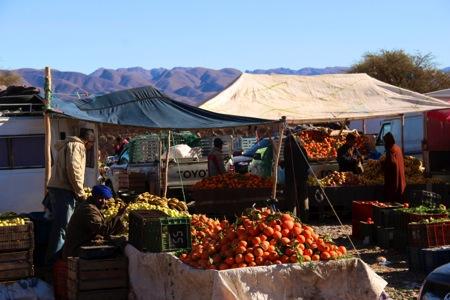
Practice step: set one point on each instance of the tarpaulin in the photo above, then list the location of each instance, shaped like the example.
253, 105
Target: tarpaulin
163, 276
318, 98
147, 107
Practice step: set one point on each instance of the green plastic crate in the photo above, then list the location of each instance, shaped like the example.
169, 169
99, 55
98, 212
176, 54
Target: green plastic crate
148, 233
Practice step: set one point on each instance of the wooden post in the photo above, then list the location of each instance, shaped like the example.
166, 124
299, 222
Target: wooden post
277, 158
47, 126
166, 171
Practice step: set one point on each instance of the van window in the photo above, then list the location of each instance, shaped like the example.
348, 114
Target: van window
19, 152
384, 129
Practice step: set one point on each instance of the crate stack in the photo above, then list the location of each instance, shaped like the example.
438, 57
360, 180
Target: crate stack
384, 217
243, 143
208, 143
16, 251
96, 279
149, 231
145, 149
362, 216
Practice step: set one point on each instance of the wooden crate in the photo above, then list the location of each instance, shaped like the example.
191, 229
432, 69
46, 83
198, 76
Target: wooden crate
16, 265
99, 274
112, 294
19, 237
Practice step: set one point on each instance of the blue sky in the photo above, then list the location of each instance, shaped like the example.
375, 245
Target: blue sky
244, 34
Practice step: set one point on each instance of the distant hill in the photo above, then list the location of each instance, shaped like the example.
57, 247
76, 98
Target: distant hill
447, 70
189, 85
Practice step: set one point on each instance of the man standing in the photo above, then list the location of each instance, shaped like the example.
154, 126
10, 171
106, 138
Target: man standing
296, 177
216, 165
394, 171
66, 186
87, 223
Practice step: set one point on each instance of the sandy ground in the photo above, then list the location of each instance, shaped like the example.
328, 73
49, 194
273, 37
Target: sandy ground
402, 283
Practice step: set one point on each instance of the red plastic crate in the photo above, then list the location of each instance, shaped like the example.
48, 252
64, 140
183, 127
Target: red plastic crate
403, 219
361, 210
60, 272
429, 235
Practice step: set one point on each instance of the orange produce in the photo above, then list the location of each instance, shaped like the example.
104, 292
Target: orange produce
233, 180
219, 245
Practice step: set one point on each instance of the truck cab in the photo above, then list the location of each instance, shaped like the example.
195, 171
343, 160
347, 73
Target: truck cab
412, 134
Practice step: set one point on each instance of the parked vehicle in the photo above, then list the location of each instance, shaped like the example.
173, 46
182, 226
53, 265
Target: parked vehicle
436, 284
426, 135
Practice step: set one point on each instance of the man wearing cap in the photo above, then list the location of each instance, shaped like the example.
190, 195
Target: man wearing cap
87, 223
216, 165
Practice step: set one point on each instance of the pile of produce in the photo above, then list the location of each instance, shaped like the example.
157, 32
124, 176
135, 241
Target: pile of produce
426, 210
233, 180
171, 207
320, 145
340, 179
12, 222
373, 174
259, 237
88, 191
432, 221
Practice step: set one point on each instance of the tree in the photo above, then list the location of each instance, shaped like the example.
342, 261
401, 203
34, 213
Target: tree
413, 72
8, 78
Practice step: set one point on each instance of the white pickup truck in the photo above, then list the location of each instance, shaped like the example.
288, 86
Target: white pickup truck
183, 172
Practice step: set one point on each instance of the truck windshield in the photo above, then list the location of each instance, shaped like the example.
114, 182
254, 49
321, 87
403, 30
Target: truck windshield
124, 156
384, 129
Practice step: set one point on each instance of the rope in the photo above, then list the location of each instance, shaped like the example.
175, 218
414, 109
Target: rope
326, 197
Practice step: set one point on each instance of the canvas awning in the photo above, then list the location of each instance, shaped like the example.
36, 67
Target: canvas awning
317, 98
147, 107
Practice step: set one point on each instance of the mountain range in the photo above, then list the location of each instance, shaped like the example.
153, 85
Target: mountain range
189, 85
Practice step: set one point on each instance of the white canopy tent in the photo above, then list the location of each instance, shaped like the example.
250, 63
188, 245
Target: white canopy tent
317, 98
441, 94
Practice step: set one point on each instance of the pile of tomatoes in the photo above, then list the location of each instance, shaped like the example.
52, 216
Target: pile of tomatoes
257, 238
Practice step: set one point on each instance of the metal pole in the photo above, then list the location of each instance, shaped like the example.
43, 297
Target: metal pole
277, 158
166, 171
403, 133
47, 126
364, 126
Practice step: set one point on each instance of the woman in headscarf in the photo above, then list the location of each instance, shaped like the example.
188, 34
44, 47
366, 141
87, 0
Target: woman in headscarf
394, 171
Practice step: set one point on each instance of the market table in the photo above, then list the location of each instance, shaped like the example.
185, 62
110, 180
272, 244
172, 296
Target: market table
163, 276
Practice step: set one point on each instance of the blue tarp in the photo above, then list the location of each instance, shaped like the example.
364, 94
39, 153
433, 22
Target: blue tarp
147, 107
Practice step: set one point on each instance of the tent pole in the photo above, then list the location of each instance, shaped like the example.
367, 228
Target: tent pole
277, 158
403, 132
47, 126
166, 170
364, 126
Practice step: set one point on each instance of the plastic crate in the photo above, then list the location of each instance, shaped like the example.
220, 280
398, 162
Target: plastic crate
435, 257
429, 235
424, 198
385, 237
243, 143
362, 210
400, 242
415, 259
145, 149
60, 279
158, 234
384, 216
402, 219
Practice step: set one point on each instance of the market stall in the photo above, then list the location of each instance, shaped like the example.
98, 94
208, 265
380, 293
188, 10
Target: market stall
163, 276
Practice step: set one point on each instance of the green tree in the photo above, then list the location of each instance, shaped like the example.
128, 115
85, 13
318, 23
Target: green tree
8, 78
413, 72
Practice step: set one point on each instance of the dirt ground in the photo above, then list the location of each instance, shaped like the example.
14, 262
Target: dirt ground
402, 283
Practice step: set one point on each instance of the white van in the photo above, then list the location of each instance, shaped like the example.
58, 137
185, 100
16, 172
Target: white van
22, 163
